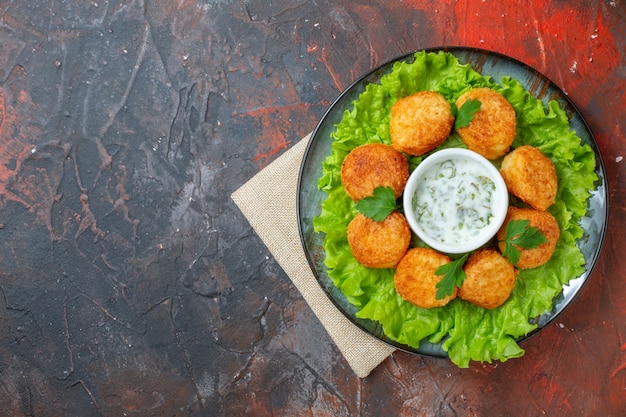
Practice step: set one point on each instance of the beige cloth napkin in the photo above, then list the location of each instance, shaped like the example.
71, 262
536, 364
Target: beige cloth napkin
268, 201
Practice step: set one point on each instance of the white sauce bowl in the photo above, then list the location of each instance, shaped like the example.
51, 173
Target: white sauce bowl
449, 213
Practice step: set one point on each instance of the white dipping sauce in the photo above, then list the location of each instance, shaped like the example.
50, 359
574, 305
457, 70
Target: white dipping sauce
454, 200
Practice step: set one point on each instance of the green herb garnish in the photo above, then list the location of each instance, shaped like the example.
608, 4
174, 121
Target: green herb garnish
520, 234
378, 206
453, 275
465, 114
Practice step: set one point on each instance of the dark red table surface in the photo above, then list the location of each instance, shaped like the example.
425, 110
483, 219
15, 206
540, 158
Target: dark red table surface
130, 283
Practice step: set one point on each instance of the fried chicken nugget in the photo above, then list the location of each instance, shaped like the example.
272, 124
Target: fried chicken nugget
490, 279
547, 225
415, 278
531, 176
420, 122
492, 130
379, 244
373, 165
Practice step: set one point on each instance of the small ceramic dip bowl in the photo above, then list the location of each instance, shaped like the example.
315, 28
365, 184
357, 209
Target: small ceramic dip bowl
455, 200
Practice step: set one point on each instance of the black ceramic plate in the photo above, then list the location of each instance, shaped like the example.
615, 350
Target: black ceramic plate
487, 63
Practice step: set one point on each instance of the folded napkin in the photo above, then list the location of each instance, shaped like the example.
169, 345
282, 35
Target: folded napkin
274, 190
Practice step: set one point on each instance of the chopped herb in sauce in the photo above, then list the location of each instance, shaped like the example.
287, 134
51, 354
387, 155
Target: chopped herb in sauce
454, 201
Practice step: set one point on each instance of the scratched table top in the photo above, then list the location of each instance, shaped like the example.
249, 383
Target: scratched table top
130, 283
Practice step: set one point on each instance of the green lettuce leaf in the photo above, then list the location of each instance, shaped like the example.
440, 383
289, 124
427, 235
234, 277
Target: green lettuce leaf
468, 333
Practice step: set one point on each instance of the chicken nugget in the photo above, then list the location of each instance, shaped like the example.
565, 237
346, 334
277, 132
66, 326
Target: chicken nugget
373, 165
379, 244
492, 130
415, 278
490, 279
531, 176
420, 122
547, 225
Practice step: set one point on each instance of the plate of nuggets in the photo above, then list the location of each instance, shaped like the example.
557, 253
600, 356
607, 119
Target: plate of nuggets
356, 211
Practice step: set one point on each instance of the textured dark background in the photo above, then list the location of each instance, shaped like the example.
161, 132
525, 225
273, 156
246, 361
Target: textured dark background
131, 285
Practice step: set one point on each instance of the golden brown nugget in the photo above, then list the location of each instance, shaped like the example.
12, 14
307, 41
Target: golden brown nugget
490, 279
379, 244
547, 225
415, 278
492, 130
420, 122
374, 165
531, 176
